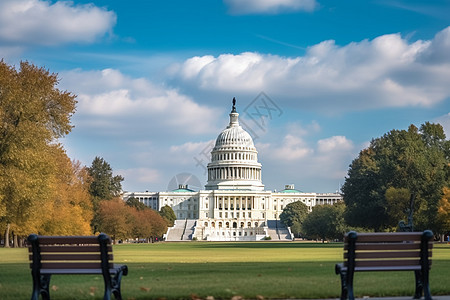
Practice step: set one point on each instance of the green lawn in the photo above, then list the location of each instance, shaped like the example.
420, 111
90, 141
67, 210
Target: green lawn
223, 270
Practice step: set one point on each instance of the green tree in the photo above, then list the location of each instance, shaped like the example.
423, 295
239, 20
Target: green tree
293, 216
133, 202
410, 165
325, 222
168, 214
33, 115
103, 186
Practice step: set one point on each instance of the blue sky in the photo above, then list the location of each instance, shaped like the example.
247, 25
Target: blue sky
155, 79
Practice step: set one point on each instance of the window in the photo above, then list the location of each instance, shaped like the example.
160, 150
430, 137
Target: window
227, 224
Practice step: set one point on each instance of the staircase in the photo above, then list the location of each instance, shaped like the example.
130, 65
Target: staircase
277, 231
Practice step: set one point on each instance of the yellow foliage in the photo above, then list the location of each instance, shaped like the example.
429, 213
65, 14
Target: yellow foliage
444, 209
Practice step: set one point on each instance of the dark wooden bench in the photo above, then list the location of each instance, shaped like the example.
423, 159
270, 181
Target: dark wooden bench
55, 255
405, 251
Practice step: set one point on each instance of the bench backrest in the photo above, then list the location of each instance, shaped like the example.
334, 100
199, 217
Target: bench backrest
402, 251
70, 252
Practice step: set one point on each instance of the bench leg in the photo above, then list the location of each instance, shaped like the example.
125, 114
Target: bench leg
344, 292
112, 284
419, 285
41, 287
426, 286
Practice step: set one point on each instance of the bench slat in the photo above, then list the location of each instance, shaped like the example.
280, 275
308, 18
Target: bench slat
388, 237
72, 265
387, 269
76, 271
387, 263
68, 248
71, 256
386, 254
388, 246
68, 240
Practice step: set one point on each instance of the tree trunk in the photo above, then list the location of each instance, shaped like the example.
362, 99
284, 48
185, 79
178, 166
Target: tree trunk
7, 235
15, 243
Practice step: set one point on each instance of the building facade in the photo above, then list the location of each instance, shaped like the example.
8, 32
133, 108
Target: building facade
234, 205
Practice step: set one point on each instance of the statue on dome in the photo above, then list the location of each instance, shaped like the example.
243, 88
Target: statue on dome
234, 105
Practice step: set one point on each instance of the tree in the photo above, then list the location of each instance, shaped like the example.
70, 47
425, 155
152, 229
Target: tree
133, 202
400, 173
33, 114
69, 208
325, 222
293, 216
444, 212
103, 186
115, 219
168, 214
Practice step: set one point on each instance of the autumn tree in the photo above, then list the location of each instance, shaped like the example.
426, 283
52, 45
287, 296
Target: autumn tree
443, 216
293, 216
34, 113
400, 173
69, 208
103, 186
115, 218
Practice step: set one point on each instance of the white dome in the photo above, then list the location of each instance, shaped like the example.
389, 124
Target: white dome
234, 160
235, 137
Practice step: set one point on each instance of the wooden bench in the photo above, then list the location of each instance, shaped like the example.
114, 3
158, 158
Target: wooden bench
406, 251
55, 255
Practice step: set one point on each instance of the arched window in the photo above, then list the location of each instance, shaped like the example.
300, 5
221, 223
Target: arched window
206, 224
220, 224
256, 224
234, 224
249, 224
227, 224
242, 224
213, 225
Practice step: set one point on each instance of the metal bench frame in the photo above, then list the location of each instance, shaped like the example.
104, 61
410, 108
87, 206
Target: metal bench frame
406, 251
59, 255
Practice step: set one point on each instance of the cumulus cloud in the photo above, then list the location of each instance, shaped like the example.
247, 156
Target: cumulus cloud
445, 122
37, 22
269, 6
139, 176
109, 100
305, 159
387, 71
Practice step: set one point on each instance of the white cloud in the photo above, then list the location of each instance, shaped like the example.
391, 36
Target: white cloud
445, 122
269, 6
334, 144
139, 175
37, 22
387, 71
109, 100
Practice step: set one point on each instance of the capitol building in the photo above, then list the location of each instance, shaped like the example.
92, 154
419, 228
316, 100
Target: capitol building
234, 205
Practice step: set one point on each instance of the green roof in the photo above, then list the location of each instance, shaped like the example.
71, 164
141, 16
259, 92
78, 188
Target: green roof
290, 191
183, 191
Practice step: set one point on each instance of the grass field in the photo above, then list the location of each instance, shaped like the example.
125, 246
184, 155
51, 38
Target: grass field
197, 269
